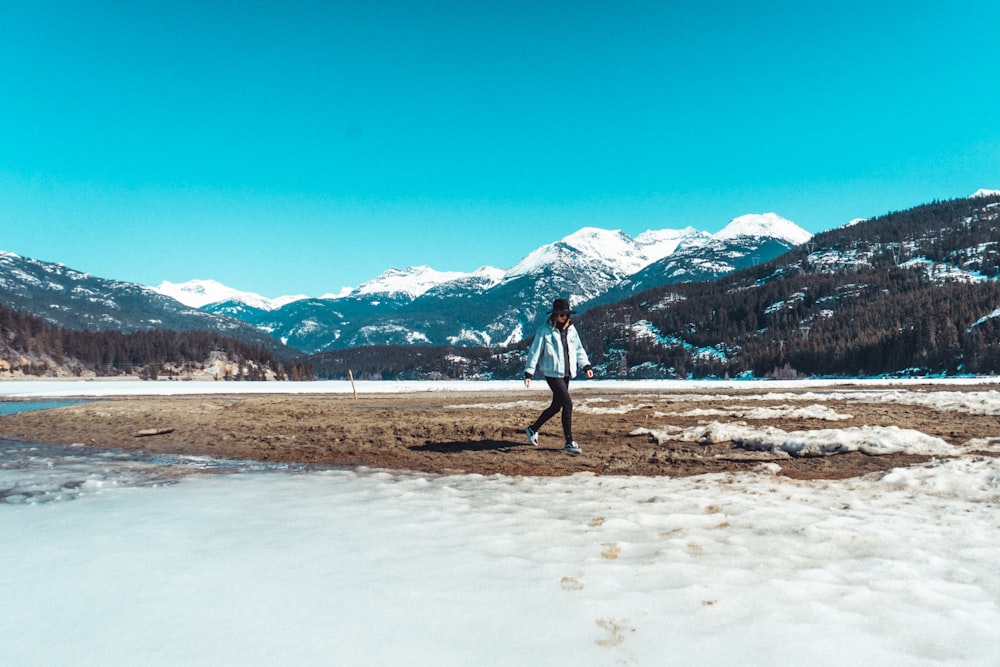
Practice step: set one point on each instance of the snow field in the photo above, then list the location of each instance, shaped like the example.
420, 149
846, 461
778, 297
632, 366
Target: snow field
370, 567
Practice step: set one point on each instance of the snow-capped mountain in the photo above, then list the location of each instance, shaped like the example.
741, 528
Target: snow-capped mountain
763, 225
745, 241
76, 300
490, 306
908, 293
200, 293
615, 251
361, 315
412, 281
493, 306
947, 243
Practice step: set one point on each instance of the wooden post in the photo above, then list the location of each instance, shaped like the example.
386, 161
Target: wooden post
350, 376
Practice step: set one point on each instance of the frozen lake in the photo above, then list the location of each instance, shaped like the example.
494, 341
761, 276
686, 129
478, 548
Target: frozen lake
109, 557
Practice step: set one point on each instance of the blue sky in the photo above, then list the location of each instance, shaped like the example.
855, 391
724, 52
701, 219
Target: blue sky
299, 147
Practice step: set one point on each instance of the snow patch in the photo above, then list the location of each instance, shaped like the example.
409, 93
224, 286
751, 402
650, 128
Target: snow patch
940, 272
870, 440
982, 320
773, 412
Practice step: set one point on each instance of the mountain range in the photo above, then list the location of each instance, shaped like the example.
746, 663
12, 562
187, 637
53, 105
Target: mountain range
76, 300
496, 307
911, 293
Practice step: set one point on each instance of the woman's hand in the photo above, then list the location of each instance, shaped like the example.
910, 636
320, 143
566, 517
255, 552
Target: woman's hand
527, 383
590, 372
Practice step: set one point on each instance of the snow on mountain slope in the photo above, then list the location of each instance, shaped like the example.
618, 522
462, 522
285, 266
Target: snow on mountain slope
764, 225
412, 281
200, 293
421, 304
614, 251
659, 243
614, 247
982, 192
621, 253
480, 280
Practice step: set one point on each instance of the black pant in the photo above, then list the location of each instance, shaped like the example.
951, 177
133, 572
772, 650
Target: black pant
560, 401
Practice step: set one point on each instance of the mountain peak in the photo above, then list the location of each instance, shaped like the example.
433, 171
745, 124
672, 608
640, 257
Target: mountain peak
199, 293
411, 281
613, 246
590, 238
983, 192
764, 224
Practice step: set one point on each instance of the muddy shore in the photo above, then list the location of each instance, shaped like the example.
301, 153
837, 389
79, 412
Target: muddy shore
482, 432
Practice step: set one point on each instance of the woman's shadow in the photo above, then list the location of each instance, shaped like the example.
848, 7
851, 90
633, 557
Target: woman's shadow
468, 446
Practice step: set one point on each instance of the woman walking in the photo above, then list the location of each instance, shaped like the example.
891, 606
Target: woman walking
558, 352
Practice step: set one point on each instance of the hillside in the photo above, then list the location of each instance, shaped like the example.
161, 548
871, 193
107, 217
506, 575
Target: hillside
908, 293
913, 292
30, 346
75, 300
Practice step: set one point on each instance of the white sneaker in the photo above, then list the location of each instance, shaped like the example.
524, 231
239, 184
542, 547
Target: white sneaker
572, 448
532, 436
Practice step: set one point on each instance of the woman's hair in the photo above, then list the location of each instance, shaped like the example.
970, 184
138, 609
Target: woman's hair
552, 319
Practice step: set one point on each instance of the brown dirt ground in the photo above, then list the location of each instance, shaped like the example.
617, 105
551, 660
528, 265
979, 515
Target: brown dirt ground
480, 432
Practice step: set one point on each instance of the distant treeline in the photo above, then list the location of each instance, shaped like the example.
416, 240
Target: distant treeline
33, 346
416, 362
